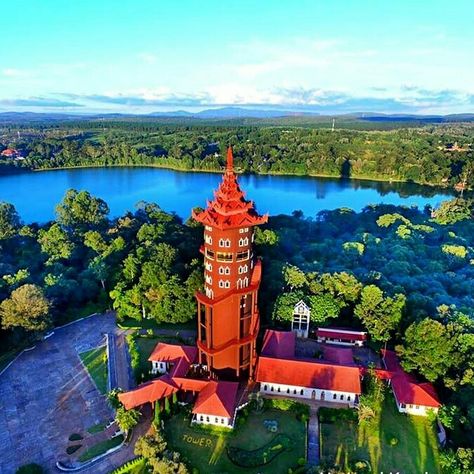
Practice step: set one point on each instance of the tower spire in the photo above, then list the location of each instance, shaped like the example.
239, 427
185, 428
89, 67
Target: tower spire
230, 160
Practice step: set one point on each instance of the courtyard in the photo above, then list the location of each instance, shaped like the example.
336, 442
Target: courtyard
46, 396
210, 450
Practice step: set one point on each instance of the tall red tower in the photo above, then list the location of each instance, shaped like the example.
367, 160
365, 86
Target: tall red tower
228, 318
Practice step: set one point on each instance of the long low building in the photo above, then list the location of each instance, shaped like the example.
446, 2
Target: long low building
280, 373
310, 380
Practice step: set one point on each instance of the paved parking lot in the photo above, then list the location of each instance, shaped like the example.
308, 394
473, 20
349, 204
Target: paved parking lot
46, 395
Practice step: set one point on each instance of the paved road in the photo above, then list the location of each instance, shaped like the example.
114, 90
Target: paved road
46, 395
123, 369
111, 361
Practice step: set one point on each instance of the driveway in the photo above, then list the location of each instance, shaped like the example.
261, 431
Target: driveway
46, 395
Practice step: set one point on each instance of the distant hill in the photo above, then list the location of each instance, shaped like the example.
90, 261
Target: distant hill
232, 112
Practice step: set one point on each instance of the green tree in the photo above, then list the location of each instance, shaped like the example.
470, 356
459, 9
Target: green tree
9, 220
455, 210
55, 243
294, 277
379, 314
285, 304
323, 307
26, 308
81, 211
126, 419
428, 348
151, 446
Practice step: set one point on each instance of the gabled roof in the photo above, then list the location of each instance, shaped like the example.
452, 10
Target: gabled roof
342, 333
164, 352
217, 399
309, 374
279, 344
229, 208
302, 304
408, 391
406, 387
148, 392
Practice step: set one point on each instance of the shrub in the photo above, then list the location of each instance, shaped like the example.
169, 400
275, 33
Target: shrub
131, 466
75, 437
261, 456
72, 449
30, 469
393, 441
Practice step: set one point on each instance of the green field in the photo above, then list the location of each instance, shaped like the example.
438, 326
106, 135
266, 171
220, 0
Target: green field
95, 362
343, 442
207, 451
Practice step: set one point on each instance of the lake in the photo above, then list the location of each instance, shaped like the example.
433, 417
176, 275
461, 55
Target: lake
35, 194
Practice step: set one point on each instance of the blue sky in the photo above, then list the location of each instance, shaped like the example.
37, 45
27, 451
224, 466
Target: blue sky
327, 56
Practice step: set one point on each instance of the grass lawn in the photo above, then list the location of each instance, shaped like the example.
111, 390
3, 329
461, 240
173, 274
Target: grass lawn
95, 363
343, 442
98, 428
100, 448
206, 451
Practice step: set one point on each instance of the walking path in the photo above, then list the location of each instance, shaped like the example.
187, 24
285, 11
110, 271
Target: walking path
313, 436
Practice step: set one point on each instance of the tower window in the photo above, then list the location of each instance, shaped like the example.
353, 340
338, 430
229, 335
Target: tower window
224, 243
224, 257
243, 269
209, 279
210, 254
208, 228
209, 267
243, 230
242, 255
224, 284
208, 239
243, 242
224, 270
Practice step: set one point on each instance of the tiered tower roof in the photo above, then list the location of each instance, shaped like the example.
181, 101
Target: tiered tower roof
229, 208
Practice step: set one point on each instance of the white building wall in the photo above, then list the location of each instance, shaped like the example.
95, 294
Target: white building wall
419, 410
324, 339
158, 367
308, 393
204, 419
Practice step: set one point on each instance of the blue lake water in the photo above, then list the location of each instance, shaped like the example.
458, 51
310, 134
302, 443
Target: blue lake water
35, 194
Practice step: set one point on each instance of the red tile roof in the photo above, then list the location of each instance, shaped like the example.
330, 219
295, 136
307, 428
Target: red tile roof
164, 352
148, 392
406, 388
344, 334
301, 373
279, 344
217, 399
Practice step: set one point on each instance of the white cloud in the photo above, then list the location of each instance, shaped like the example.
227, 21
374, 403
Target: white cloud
13, 72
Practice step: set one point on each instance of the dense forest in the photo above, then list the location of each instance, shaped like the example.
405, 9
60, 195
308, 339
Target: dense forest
433, 154
405, 275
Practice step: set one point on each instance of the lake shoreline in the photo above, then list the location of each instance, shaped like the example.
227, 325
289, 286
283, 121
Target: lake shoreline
196, 170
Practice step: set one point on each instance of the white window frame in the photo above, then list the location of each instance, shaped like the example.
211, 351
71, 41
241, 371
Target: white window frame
224, 284
244, 230
208, 239
208, 228
224, 270
224, 243
243, 242
243, 269
209, 266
